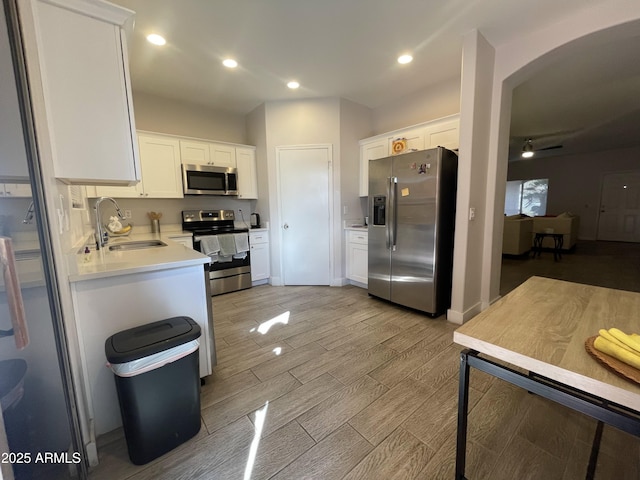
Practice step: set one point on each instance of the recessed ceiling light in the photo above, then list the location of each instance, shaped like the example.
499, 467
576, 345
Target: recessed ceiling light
293, 85
156, 39
230, 63
405, 59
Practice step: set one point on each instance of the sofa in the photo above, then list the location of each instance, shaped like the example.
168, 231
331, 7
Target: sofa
517, 235
566, 223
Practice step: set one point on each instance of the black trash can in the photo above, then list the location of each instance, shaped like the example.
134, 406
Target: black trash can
157, 377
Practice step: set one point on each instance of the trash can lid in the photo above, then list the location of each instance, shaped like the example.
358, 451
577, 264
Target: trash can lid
151, 338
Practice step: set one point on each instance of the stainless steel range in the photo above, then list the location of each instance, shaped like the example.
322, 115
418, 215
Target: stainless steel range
215, 234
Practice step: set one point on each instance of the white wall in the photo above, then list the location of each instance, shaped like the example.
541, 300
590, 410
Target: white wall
163, 115
475, 101
515, 62
257, 135
437, 101
301, 122
355, 124
575, 181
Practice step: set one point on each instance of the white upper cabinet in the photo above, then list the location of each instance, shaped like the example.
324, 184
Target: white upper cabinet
222, 155
161, 168
413, 139
247, 177
207, 153
85, 81
196, 153
161, 171
443, 132
377, 148
16, 190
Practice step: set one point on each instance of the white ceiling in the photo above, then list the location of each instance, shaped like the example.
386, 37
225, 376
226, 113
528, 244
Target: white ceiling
348, 49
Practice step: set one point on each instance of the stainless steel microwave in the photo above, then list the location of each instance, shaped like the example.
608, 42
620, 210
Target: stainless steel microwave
209, 180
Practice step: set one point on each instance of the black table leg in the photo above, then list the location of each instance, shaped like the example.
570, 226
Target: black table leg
463, 407
595, 449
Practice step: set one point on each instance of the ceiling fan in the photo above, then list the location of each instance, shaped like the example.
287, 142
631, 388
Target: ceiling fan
528, 149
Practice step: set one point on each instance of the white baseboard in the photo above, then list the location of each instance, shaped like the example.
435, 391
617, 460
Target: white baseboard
459, 318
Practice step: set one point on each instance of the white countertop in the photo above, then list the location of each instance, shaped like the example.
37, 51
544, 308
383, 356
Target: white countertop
360, 228
106, 263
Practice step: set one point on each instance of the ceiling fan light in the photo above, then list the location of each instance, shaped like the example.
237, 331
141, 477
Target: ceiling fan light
527, 149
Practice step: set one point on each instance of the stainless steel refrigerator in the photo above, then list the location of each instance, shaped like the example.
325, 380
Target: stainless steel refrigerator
412, 198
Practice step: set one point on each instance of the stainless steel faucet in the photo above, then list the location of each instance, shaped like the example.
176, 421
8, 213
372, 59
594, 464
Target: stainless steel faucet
102, 236
28, 218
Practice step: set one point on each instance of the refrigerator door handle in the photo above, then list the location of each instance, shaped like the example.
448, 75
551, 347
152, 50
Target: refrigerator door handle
393, 223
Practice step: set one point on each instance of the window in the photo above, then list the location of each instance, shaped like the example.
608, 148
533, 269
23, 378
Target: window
527, 196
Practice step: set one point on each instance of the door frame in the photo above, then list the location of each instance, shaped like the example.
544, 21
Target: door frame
329, 148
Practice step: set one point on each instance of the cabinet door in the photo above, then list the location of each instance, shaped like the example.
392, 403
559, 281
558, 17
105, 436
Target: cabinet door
357, 263
260, 269
247, 176
87, 97
222, 155
370, 151
160, 159
413, 138
196, 153
17, 190
443, 134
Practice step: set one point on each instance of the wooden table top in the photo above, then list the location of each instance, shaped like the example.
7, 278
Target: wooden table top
541, 326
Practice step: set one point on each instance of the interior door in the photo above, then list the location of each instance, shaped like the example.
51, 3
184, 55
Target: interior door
619, 218
38, 414
304, 188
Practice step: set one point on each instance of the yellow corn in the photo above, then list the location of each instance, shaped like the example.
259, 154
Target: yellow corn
605, 346
626, 339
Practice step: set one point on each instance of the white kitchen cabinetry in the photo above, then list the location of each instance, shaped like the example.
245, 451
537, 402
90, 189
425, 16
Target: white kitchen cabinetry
161, 171
84, 74
15, 190
207, 153
260, 263
443, 132
370, 150
357, 257
195, 153
247, 173
222, 155
413, 138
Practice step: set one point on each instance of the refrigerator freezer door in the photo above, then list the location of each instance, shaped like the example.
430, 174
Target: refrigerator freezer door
413, 260
378, 230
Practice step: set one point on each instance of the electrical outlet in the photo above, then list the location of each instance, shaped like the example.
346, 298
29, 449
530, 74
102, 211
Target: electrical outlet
472, 213
127, 214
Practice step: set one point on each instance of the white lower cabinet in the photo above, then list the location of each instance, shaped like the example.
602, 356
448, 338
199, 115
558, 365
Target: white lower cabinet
260, 263
357, 257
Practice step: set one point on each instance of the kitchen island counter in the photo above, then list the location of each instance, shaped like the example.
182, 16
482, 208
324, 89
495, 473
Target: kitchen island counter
105, 263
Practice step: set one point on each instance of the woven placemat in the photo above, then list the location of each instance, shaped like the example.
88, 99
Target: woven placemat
621, 368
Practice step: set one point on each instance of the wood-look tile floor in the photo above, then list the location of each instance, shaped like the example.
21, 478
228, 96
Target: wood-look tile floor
342, 385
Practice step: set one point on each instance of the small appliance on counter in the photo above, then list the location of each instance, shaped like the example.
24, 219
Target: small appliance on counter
255, 220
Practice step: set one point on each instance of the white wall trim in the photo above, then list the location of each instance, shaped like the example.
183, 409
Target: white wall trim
459, 318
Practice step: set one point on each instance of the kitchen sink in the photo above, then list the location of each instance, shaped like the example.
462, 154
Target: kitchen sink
136, 245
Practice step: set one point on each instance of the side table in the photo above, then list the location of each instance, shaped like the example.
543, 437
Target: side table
558, 241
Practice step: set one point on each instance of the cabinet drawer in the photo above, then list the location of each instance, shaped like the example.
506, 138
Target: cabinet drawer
358, 237
256, 238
